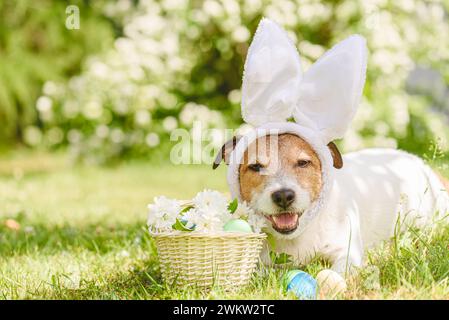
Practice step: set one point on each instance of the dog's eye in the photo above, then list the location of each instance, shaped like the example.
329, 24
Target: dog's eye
255, 167
303, 163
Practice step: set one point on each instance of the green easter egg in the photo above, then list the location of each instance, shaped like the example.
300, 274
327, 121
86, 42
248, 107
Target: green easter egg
237, 225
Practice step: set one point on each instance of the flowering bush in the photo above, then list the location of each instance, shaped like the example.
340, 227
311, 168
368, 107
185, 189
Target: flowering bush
208, 211
181, 60
36, 46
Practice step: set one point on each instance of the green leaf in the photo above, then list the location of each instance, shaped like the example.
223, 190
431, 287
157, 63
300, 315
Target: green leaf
233, 205
273, 256
186, 209
271, 241
277, 258
283, 258
180, 226
280, 258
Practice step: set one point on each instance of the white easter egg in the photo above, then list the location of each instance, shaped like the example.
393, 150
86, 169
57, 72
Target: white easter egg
330, 283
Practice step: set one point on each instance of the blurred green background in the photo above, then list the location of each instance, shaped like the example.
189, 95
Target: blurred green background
135, 70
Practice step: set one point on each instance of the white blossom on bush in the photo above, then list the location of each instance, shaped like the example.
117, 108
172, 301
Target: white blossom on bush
177, 62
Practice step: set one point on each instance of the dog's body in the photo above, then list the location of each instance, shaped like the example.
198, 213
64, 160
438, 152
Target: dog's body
315, 201
377, 193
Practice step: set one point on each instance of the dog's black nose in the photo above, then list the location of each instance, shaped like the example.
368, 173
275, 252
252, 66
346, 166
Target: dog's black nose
283, 197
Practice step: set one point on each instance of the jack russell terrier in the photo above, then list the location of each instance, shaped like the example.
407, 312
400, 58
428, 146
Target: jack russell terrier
316, 201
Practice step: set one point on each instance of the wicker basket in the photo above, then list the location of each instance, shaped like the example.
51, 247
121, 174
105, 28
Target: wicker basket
224, 259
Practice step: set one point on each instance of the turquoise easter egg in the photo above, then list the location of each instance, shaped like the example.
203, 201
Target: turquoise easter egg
237, 225
302, 284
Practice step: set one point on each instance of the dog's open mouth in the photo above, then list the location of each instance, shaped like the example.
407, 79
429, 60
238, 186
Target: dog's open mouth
285, 222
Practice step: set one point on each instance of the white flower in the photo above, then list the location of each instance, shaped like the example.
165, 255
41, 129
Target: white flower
92, 110
257, 222
152, 139
74, 136
50, 88
206, 221
241, 34
243, 211
162, 213
190, 218
32, 135
211, 210
170, 123
142, 118
210, 199
235, 96
117, 135
208, 212
102, 131
44, 104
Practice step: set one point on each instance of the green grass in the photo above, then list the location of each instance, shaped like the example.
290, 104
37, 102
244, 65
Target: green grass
82, 236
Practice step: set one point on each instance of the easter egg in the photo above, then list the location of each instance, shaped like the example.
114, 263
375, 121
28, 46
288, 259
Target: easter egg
237, 225
302, 284
330, 283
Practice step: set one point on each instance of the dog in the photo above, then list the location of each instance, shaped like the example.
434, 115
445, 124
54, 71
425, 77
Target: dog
290, 171
282, 185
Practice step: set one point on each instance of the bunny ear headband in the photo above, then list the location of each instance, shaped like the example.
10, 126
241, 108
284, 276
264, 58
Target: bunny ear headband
322, 101
325, 98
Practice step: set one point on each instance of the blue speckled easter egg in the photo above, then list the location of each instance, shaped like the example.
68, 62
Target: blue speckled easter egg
302, 284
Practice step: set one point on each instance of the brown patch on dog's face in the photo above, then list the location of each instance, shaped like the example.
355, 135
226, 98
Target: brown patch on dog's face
251, 181
296, 159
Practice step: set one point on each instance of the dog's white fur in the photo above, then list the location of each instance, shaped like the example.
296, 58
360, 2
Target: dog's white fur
376, 191
262, 202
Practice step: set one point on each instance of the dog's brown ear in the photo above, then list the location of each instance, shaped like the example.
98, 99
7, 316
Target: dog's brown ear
336, 155
226, 149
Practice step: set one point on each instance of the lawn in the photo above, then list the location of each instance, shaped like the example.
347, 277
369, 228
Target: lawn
78, 232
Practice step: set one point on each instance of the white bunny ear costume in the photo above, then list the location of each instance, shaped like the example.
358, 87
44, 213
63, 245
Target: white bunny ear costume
325, 98
322, 101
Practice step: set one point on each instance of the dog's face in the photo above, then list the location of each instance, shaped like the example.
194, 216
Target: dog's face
280, 180
280, 177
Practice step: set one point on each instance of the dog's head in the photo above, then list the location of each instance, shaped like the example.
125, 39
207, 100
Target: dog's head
280, 180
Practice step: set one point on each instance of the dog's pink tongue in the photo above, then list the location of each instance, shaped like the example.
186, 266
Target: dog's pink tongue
285, 220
